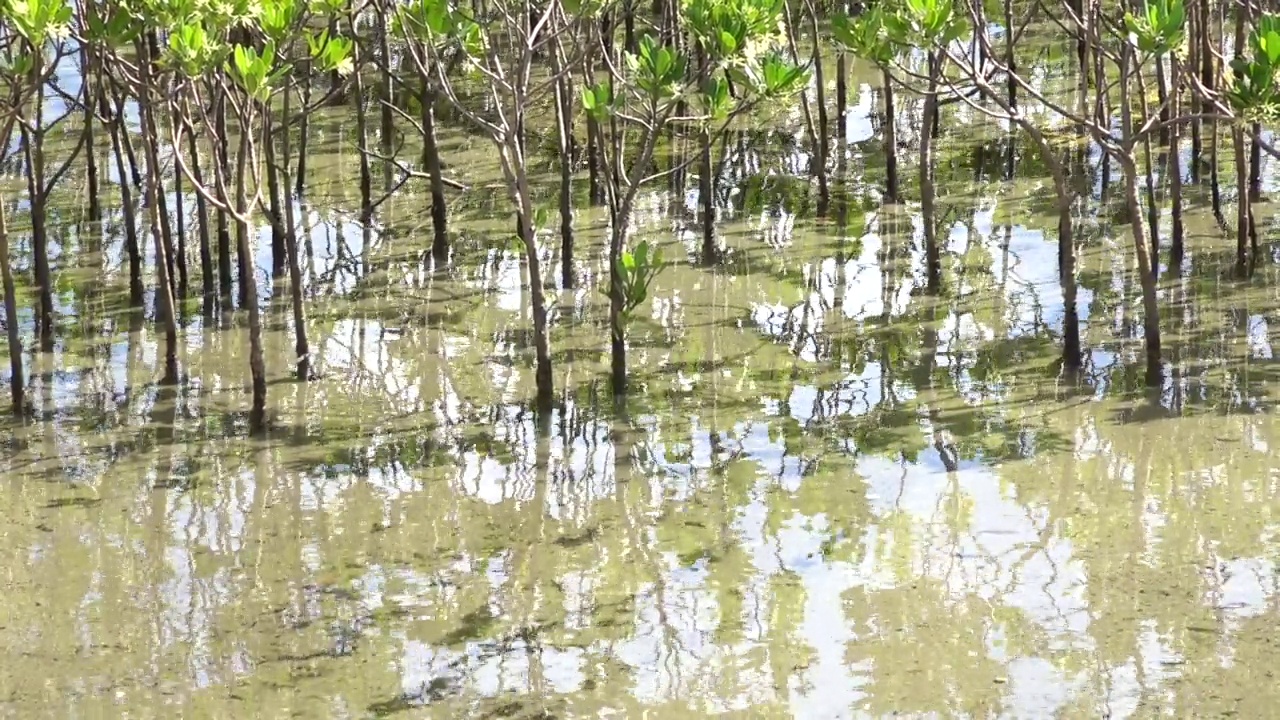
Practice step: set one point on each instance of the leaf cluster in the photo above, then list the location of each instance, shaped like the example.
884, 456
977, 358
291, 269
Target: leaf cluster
635, 272
1160, 28
884, 30
1253, 91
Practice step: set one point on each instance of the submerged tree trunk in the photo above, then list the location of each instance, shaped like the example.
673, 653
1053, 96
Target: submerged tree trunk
91, 146
1150, 304
131, 245
431, 161
207, 288
249, 288
1242, 201
1146, 274
1071, 353
222, 158
166, 314
1153, 210
890, 141
818, 165
304, 128
706, 197
33, 145
1255, 163
933, 257
842, 101
301, 347
17, 379
1241, 161
180, 214
362, 140
275, 204
162, 209
1177, 235
537, 296
564, 136
1010, 57
617, 303
820, 104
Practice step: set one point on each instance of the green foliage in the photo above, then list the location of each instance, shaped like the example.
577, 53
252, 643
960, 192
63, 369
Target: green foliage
715, 96
597, 100
636, 271
439, 24
725, 29
327, 8
934, 21
1253, 91
255, 73
119, 29
193, 51
38, 21
1159, 28
865, 36
277, 19
778, 76
658, 70
200, 37
883, 30
330, 53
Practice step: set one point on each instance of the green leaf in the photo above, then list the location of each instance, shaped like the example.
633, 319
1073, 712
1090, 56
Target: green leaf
727, 42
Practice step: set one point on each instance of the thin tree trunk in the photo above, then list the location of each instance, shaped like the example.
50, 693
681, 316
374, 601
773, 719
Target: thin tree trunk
91, 146
17, 378
1147, 278
166, 315
1010, 57
1255, 163
222, 158
537, 296
304, 128
842, 101
181, 216
1242, 166
301, 347
1242, 201
1162, 94
1197, 30
564, 135
208, 290
933, 258
1150, 304
596, 190
362, 139
617, 331
162, 210
1071, 353
820, 103
275, 209
1176, 242
431, 161
33, 145
131, 245
1153, 210
818, 165
249, 287
890, 141
386, 89
706, 177
126, 141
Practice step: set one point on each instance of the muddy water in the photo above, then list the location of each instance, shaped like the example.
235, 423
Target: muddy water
831, 496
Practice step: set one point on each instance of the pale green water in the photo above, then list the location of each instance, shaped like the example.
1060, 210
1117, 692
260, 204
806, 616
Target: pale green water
769, 529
